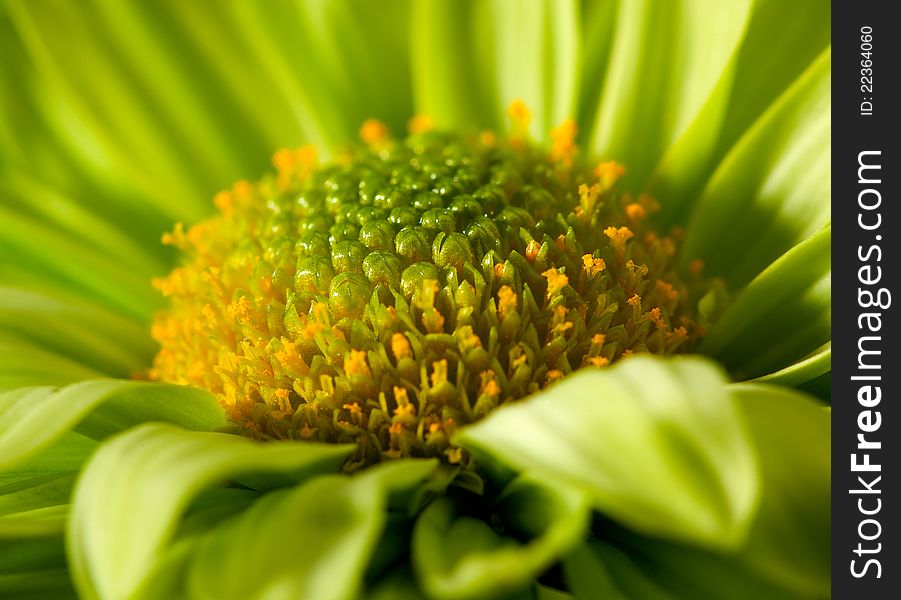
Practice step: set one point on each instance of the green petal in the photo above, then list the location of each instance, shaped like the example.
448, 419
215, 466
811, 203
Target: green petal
626, 433
313, 541
452, 83
34, 254
34, 495
31, 419
97, 338
328, 57
27, 365
460, 557
34, 570
815, 365
786, 554
130, 497
536, 58
782, 316
790, 538
657, 82
652, 570
773, 188
780, 42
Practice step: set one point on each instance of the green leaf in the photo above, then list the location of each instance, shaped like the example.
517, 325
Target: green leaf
782, 317
790, 538
458, 556
312, 541
347, 50
772, 190
659, 78
31, 419
136, 487
625, 434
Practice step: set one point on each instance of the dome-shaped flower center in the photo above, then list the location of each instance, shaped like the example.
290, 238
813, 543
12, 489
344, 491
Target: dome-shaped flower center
409, 288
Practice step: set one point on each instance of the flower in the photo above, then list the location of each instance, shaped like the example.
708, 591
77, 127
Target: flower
645, 477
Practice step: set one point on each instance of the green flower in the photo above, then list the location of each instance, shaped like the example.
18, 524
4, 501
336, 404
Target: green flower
649, 477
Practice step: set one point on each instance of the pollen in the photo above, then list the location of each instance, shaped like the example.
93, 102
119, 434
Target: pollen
407, 288
593, 265
608, 173
556, 281
374, 134
355, 364
420, 124
564, 142
506, 301
519, 115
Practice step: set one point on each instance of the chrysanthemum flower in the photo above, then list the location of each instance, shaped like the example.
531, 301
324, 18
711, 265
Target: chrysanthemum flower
435, 364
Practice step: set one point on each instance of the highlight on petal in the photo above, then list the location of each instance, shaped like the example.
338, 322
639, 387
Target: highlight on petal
623, 434
311, 541
772, 190
658, 79
132, 494
786, 554
32, 419
778, 45
783, 316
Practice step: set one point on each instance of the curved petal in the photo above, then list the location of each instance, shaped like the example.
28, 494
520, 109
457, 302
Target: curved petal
155, 471
780, 43
783, 316
790, 540
90, 335
624, 434
773, 189
786, 554
472, 59
458, 557
313, 541
32, 419
661, 76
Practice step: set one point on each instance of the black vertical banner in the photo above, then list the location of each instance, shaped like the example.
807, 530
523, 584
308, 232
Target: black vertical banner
866, 370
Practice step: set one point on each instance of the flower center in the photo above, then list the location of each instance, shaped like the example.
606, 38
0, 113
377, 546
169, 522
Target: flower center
411, 287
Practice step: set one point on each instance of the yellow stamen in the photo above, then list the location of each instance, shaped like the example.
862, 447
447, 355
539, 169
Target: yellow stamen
355, 364
374, 134
588, 200
563, 148
556, 281
520, 116
400, 346
506, 301
636, 211
532, 249
593, 265
619, 236
420, 124
439, 373
608, 174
